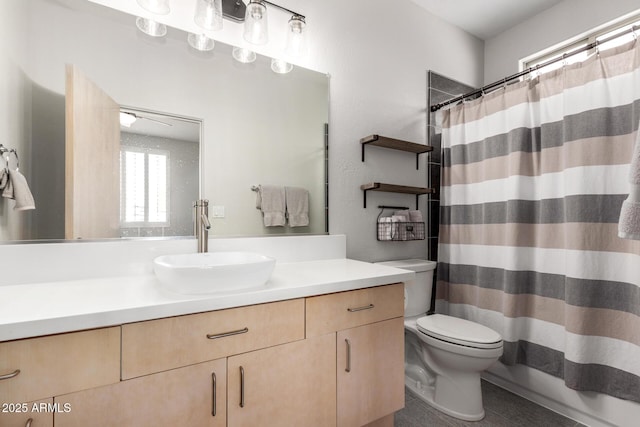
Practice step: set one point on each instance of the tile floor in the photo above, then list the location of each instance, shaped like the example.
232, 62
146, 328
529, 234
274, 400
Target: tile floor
502, 409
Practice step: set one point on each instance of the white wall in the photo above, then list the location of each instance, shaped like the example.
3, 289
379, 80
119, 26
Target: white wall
378, 53
564, 21
502, 53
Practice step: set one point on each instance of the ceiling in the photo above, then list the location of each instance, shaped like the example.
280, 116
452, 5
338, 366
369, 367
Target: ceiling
485, 18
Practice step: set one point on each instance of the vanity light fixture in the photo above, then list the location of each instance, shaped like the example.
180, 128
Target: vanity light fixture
208, 14
151, 27
255, 23
244, 55
296, 41
281, 67
200, 42
159, 7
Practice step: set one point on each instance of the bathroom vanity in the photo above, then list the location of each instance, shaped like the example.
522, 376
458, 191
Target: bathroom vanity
321, 345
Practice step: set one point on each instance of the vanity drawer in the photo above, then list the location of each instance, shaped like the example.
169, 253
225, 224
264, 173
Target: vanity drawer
159, 345
344, 310
59, 364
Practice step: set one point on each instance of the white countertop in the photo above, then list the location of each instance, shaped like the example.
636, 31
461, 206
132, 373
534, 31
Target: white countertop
29, 310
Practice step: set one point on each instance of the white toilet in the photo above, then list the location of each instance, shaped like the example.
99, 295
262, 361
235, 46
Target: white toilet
444, 355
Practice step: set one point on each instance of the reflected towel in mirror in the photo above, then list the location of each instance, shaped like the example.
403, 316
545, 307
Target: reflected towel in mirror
270, 199
297, 200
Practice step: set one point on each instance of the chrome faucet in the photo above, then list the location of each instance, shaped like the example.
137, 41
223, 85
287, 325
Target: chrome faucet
202, 224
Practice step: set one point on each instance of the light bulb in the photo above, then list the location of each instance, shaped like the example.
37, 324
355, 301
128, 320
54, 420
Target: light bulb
281, 67
209, 14
159, 7
296, 41
255, 23
200, 42
151, 27
243, 55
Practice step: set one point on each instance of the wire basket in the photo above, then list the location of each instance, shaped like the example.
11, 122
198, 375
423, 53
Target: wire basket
400, 231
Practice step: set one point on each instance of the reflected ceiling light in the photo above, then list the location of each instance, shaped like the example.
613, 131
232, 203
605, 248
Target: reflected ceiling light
243, 55
200, 42
159, 7
127, 119
209, 14
151, 27
255, 23
281, 67
296, 41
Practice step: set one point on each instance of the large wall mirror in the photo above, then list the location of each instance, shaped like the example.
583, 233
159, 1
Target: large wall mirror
206, 127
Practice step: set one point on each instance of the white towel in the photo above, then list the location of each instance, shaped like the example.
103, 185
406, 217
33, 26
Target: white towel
271, 201
629, 222
4, 178
297, 200
18, 190
415, 216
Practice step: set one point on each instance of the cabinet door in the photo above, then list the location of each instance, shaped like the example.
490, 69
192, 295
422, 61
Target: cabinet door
18, 414
191, 396
288, 385
370, 372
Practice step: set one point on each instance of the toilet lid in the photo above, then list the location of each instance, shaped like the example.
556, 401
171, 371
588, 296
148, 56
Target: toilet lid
459, 331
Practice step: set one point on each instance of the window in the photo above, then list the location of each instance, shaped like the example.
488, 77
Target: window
144, 186
621, 26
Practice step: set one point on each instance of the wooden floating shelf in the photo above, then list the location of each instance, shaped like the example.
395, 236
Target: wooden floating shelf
395, 144
392, 188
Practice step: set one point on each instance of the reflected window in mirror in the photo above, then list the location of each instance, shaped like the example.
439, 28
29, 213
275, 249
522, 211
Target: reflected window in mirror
144, 187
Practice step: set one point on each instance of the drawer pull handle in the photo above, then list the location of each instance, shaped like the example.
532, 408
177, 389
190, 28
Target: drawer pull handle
29, 422
228, 334
348, 367
366, 307
241, 387
213, 386
11, 375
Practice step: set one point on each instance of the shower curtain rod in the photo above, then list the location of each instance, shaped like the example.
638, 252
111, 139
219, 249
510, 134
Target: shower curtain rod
504, 81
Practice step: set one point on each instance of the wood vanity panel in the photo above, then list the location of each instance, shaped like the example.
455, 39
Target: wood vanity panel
39, 412
330, 313
373, 386
59, 364
159, 345
180, 397
288, 385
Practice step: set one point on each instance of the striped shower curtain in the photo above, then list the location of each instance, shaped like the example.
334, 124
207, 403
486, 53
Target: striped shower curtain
533, 178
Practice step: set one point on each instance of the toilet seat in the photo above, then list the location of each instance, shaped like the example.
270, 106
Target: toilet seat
459, 331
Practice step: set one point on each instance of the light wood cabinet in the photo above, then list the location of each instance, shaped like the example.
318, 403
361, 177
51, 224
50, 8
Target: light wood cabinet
18, 414
276, 364
48, 366
288, 385
369, 326
159, 345
370, 372
190, 396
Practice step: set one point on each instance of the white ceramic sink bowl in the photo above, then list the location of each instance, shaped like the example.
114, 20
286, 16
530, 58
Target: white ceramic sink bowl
204, 273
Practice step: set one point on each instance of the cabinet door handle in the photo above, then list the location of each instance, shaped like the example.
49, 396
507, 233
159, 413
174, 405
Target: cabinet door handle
241, 387
228, 334
213, 386
366, 307
11, 375
29, 422
348, 367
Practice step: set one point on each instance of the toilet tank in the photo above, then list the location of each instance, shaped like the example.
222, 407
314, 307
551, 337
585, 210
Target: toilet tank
417, 293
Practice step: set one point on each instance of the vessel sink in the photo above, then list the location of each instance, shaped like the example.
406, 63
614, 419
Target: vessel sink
204, 273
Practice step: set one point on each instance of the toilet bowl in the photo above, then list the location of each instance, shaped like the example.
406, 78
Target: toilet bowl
444, 355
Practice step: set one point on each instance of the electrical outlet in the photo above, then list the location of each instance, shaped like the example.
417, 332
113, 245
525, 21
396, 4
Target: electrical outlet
217, 211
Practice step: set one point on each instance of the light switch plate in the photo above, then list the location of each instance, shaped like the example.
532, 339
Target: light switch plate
217, 211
